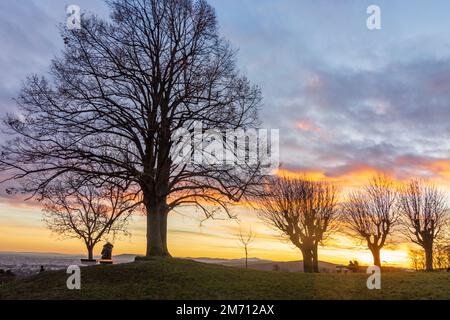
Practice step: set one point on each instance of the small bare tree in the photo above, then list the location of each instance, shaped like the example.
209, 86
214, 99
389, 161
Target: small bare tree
370, 214
303, 211
441, 256
424, 211
87, 213
417, 259
245, 239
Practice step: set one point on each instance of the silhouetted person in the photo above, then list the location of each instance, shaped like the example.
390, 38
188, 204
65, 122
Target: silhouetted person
42, 269
356, 266
353, 266
107, 251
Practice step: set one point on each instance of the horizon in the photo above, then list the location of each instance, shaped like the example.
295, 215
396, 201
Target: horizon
198, 259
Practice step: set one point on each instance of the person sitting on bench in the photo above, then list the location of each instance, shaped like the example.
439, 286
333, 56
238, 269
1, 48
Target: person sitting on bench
107, 254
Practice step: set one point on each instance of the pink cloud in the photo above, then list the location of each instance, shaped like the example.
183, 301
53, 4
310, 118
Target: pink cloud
308, 126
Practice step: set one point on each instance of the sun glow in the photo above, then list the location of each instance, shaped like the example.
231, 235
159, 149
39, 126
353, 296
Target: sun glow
22, 230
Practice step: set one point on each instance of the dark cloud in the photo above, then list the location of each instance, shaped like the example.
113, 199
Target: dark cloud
342, 96
375, 116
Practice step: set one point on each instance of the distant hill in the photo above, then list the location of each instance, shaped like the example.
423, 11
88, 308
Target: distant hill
9, 259
267, 265
39, 254
230, 262
292, 266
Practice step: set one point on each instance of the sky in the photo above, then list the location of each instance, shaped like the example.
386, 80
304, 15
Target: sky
349, 102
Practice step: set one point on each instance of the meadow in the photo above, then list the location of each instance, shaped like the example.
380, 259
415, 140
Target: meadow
174, 279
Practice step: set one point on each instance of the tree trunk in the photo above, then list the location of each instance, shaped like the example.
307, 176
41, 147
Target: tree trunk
157, 214
163, 231
428, 247
155, 193
157, 234
246, 258
307, 260
90, 250
315, 258
376, 256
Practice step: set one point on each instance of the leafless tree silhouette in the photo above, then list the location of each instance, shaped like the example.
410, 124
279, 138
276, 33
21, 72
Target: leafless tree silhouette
441, 256
322, 207
417, 259
425, 215
115, 100
304, 211
245, 239
88, 213
371, 214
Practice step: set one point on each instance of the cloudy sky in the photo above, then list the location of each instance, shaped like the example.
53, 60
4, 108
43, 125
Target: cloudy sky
348, 102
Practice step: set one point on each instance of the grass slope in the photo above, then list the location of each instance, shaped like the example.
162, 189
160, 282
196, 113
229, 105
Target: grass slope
181, 279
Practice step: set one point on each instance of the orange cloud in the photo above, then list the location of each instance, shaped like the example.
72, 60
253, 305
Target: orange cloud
351, 176
308, 126
435, 170
438, 167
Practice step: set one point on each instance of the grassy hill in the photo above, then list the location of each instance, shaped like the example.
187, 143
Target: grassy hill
183, 279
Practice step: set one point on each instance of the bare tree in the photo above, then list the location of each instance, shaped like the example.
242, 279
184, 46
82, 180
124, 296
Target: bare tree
417, 259
371, 214
245, 239
441, 256
321, 206
116, 99
88, 213
303, 211
425, 213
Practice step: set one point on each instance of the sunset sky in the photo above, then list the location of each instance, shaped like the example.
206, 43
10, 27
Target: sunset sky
349, 103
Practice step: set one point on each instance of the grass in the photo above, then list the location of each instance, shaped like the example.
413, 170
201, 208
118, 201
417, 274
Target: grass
181, 279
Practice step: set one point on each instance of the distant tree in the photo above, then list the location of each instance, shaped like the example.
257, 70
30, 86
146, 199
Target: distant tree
303, 211
115, 100
441, 256
371, 214
88, 213
425, 213
417, 259
245, 239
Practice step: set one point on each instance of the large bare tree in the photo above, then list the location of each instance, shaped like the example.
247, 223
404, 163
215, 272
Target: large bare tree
89, 213
115, 100
425, 214
304, 211
371, 214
